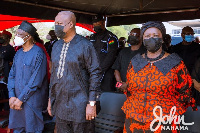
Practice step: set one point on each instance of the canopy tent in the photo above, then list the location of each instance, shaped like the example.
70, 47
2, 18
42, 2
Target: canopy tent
8, 21
118, 12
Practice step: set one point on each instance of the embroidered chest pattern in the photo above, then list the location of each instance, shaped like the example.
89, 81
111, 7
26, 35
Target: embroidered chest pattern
62, 60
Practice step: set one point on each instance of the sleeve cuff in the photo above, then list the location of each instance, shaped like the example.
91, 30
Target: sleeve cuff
22, 98
11, 94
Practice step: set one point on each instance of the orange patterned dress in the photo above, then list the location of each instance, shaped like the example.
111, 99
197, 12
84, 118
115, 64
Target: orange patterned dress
165, 83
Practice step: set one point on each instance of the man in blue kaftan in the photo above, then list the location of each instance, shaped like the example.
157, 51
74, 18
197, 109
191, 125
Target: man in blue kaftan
27, 83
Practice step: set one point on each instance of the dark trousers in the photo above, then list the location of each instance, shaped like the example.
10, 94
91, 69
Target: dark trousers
63, 126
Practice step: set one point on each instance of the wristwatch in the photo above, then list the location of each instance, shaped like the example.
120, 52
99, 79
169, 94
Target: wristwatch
92, 103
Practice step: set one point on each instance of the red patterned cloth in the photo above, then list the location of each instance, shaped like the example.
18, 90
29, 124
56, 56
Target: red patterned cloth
149, 88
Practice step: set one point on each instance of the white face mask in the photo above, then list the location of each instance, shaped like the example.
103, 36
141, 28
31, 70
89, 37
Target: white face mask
18, 41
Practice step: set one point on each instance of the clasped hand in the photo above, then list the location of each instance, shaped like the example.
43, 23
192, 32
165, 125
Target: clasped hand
15, 103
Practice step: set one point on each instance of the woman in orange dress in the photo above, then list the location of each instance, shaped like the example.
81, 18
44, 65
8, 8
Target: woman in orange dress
157, 81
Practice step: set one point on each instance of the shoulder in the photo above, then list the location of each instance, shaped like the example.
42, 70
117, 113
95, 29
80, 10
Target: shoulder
174, 58
82, 41
196, 44
110, 34
38, 51
92, 35
177, 45
125, 50
60, 41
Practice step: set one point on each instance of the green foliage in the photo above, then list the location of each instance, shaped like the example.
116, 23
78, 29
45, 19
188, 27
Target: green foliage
122, 30
129, 27
119, 31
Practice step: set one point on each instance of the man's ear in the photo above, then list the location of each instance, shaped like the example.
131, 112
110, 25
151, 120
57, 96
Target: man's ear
71, 25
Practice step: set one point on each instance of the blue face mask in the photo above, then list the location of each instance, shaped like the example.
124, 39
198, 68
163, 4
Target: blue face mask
189, 38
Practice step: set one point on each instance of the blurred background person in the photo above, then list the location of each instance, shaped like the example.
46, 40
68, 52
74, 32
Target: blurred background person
106, 45
188, 50
122, 43
121, 63
52, 39
7, 54
167, 43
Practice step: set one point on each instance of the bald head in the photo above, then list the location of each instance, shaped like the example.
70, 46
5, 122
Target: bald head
68, 15
65, 23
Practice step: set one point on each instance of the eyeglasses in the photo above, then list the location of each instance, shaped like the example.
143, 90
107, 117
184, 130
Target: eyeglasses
133, 34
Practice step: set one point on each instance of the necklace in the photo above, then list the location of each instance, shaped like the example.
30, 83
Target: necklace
157, 58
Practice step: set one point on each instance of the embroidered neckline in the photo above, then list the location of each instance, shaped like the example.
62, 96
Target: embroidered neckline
62, 60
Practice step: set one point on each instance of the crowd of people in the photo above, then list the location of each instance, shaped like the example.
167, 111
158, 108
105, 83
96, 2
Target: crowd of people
66, 76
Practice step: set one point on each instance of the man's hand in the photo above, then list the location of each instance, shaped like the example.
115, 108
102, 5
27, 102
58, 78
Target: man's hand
123, 87
90, 112
49, 107
11, 102
17, 104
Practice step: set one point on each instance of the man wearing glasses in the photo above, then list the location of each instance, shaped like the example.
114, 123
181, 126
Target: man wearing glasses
188, 50
123, 59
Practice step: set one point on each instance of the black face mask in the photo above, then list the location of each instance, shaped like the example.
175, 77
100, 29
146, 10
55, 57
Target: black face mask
2, 41
98, 29
59, 31
153, 44
133, 40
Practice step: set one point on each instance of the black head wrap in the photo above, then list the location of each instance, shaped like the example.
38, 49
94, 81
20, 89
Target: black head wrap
156, 24
28, 27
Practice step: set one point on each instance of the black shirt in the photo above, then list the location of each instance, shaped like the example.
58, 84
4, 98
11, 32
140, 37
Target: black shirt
106, 45
196, 75
189, 53
123, 60
7, 53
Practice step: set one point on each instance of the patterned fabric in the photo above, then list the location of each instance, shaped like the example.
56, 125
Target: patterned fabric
75, 78
28, 82
150, 87
62, 60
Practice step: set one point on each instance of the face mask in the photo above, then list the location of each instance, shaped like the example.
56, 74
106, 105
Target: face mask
48, 37
59, 31
133, 40
19, 41
189, 38
2, 41
98, 29
153, 44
